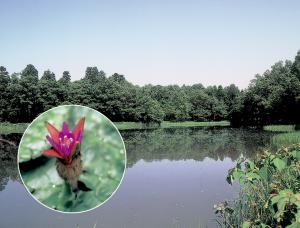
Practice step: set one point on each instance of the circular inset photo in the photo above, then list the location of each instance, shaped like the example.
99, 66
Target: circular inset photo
71, 158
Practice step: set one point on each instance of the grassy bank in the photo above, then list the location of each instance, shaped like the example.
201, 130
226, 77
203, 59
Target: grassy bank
288, 135
286, 139
280, 128
6, 128
169, 124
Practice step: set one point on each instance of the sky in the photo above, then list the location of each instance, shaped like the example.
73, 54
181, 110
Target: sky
151, 42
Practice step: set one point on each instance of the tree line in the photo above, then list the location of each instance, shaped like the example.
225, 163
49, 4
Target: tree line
273, 97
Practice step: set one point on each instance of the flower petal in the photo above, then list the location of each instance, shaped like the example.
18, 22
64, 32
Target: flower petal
53, 132
65, 128
56, 147
72, 148
51, 141
78, 130
52, 153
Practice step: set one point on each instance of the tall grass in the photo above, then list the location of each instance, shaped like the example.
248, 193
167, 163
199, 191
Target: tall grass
288, 136
7, 128
280, 128
285, 139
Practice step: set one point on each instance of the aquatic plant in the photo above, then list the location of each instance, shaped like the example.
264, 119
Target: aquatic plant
98, 159
64, 144
285, 139
269, 194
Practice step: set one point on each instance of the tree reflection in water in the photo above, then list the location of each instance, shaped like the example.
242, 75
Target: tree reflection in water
193, 143
158, 144
8, 159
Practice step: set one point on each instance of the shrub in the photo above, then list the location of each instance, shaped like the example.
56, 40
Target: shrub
269, 191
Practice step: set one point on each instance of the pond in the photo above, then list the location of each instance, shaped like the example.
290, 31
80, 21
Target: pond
173, 178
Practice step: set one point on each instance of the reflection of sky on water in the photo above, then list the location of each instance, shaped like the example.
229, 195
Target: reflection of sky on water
169, 188
156, 194
173, 193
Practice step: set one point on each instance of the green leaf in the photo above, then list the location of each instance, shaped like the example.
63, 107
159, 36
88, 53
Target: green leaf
281, 204
296, 154
251, 165
275, 199
252, 176
246, 224
294, 225
265, 173
279, 164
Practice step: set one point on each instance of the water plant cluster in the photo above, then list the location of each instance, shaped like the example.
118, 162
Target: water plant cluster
269, 193
285, 139
288, 135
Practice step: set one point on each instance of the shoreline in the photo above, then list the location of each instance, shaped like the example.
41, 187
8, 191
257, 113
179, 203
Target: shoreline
8, 128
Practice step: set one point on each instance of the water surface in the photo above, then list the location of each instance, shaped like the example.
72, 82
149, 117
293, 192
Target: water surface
173, 179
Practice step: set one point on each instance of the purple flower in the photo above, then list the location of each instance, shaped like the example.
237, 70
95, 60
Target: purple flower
64, 142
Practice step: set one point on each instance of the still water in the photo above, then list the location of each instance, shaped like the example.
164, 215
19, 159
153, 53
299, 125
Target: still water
173, 179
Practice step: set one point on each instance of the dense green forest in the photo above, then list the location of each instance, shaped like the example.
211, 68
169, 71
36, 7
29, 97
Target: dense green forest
271, 98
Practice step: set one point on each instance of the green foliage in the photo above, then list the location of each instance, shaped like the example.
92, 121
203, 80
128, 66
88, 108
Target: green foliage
271, 98
149, 110
91, 74
270, 191
24, 98
27, 94
102, 154
207, 104
4, 93
296, 65
47, 91
30, 72
66, 78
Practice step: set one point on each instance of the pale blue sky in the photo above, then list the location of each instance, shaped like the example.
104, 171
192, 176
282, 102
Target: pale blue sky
158, 42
